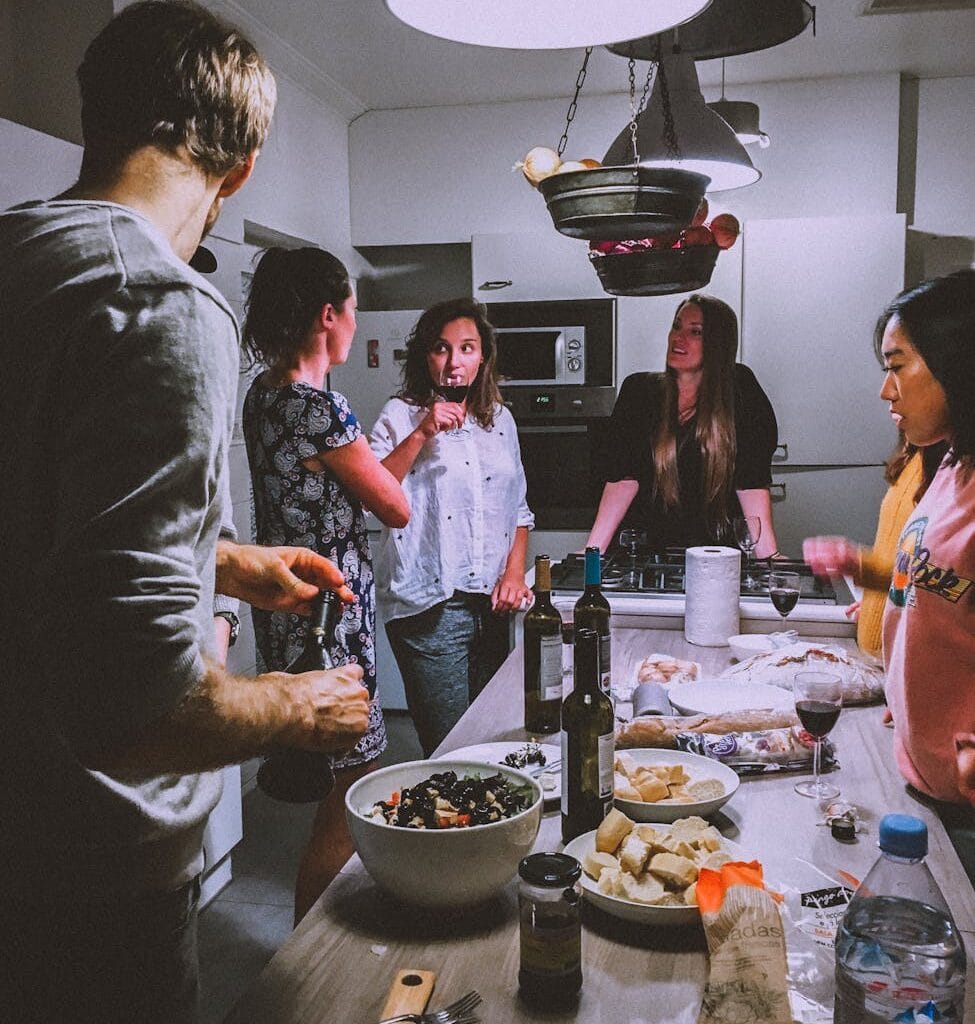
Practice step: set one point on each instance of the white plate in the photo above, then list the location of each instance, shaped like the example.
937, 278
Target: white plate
551, 782
641, 913
697, 767
714, 698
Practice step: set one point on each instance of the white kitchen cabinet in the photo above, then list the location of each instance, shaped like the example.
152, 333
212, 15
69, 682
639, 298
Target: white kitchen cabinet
840, 500
532, 267
812, 291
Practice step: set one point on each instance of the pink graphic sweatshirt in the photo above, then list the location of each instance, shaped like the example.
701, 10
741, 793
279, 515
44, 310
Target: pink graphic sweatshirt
929, 634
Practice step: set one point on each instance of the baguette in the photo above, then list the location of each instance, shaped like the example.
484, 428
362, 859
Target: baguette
661, 731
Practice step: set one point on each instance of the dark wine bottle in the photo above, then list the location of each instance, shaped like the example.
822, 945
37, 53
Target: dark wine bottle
302, 776
592, 612
587, 743
543, 655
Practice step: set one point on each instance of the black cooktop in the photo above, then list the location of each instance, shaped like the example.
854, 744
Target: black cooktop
663, 575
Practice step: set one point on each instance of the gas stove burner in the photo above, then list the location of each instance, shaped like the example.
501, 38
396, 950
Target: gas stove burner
663, 576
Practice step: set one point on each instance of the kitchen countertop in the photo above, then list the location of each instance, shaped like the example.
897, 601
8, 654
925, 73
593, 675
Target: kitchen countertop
341, 959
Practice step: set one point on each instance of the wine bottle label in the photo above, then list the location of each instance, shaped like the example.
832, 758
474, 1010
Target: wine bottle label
605, 657
607, 755
550, 668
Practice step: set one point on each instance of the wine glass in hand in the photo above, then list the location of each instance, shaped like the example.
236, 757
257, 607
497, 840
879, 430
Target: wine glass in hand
453, 386
819, 698
783, 589
747, 531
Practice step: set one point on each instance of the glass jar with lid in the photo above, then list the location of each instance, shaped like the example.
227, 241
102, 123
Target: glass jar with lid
551, 930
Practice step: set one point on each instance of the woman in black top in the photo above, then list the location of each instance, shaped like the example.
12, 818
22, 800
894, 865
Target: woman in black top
690, 449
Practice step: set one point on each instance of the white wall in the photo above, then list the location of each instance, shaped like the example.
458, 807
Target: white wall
443, 174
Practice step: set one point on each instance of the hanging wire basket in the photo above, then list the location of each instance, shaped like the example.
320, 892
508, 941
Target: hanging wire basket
656, 271
627, 201
617, 203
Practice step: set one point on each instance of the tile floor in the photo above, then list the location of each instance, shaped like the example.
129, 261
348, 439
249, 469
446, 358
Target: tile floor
243, 927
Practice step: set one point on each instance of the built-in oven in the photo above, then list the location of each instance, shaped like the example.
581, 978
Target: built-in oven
557, 363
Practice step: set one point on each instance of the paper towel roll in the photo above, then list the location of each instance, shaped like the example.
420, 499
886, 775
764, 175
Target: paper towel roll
711, 584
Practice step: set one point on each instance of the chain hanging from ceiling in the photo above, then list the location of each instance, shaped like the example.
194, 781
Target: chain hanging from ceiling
570, 115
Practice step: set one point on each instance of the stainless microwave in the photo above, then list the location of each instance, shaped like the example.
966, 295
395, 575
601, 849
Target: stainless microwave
570, 342
542, 355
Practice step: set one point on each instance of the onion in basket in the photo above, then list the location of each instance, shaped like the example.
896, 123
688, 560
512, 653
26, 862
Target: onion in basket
539, 163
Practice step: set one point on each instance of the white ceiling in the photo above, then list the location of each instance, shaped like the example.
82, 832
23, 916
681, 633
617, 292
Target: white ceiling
358, 51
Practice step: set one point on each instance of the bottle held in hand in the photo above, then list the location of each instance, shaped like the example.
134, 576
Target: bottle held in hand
303, 776
592, 612
588, 742
543, 655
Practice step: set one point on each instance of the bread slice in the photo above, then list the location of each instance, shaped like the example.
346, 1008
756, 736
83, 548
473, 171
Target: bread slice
613, 829
676, 871
634, 854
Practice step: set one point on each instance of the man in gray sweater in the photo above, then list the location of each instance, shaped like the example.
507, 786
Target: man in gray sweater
119, 389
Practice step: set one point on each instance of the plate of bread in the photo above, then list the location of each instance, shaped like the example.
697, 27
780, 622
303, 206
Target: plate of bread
664, 785
648, 873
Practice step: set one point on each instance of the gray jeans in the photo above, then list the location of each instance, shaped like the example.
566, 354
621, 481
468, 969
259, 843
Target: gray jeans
446, 655
80, 960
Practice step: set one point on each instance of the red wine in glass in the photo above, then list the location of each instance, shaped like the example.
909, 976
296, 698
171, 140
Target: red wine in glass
454, 392
819, 698
817, 716
783, 589
784, 599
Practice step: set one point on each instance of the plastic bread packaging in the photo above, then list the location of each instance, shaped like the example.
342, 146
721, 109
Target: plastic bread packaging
662, 730
757, 753
665, 669
862, 677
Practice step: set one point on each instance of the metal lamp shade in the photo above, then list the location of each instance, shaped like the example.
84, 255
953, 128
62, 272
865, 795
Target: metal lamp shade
543, 24
707, 145
731, 27
742, 118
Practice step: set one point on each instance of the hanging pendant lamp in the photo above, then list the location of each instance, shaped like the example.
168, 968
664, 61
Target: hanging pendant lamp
731, 27
741, 117
706, 144
544, 24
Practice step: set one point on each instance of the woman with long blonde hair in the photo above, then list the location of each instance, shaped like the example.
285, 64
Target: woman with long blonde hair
691, 448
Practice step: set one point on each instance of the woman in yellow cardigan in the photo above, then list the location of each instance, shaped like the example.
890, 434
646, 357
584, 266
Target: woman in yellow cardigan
909, 471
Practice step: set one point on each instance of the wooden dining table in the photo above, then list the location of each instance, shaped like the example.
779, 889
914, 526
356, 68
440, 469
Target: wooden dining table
337, 966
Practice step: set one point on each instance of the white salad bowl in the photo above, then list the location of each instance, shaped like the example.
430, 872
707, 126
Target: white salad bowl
444, 867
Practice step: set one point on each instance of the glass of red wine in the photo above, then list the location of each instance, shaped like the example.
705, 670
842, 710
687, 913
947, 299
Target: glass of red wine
819, 699
453, 386
783, 589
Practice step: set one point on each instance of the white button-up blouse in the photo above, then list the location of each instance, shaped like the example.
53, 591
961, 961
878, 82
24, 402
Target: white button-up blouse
467, 497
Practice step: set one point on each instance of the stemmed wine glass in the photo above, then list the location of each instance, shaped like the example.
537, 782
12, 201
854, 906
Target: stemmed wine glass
819, 698
453, 386
632, 540
747, 530
783, 589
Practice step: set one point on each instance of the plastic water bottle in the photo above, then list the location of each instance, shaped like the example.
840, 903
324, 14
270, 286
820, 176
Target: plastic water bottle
899, 956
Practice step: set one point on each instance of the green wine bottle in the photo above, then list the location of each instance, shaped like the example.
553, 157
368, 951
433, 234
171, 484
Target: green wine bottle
543, 655
592, 612
587, 743
302, 776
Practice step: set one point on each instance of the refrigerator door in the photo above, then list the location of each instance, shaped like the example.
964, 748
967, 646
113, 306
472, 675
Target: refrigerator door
371, 375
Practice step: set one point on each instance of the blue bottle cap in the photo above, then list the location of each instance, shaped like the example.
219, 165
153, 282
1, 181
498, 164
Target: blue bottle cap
902, 835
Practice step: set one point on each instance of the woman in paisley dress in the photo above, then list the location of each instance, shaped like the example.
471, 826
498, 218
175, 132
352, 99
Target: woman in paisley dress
313, 474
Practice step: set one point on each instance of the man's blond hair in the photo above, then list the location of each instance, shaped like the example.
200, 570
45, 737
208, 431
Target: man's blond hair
171, 74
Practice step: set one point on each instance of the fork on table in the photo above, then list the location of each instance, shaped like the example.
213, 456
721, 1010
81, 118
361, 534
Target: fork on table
458, 1012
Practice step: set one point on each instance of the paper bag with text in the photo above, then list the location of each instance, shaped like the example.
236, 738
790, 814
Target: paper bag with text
747, 982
